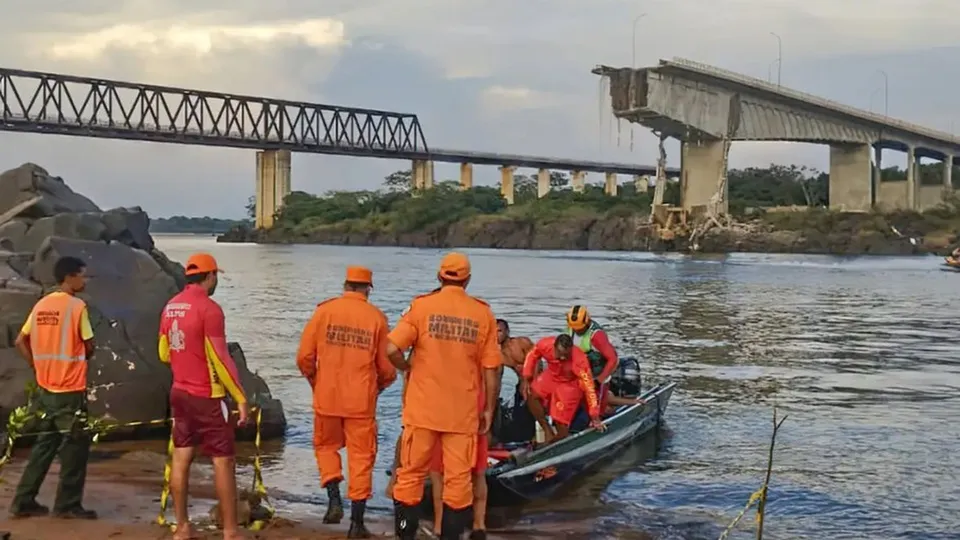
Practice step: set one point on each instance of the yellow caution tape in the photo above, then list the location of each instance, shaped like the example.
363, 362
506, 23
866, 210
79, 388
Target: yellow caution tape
165, 492
754, 498
21, 417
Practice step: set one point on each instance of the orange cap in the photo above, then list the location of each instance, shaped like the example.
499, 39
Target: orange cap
455, 267
359, 274
200, 263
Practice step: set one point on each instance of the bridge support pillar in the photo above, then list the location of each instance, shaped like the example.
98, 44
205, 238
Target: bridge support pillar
543, 183
422, 174
506, 183
930, 196
641, 183
466, 175
851, 176
948, 173
273, 185
701, 164
610, 184
912, 178
579, 181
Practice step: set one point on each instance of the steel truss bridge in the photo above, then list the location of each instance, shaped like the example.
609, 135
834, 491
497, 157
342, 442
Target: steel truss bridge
37, 102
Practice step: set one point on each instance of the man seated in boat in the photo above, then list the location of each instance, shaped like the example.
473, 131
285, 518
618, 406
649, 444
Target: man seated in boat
560, 387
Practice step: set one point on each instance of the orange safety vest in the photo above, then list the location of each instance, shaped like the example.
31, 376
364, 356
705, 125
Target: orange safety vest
59, 354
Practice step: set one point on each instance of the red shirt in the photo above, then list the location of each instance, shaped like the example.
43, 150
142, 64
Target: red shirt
193, 341
601, 344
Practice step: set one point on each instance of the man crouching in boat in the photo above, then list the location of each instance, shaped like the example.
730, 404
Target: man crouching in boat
566, 380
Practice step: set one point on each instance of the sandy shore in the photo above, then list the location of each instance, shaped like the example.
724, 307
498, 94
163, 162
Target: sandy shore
124, 488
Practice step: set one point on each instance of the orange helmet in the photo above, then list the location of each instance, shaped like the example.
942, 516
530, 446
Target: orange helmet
578, 318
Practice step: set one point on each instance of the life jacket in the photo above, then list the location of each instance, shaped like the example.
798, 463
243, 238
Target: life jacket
59, 353
584, 342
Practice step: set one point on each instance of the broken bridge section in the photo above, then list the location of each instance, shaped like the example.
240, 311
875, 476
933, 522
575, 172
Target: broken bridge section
706, 107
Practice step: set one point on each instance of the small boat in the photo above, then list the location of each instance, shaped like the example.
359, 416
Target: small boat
518, 473
527, 474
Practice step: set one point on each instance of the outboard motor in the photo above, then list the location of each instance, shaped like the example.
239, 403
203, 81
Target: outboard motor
626, 380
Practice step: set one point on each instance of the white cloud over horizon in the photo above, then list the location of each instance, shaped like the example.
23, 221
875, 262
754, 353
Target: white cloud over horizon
492, 76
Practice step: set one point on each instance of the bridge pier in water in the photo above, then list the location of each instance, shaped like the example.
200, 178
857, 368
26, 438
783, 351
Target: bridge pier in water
273, 185
701, 164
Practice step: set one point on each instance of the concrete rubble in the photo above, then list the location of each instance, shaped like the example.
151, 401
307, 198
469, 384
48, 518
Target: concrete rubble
42, 219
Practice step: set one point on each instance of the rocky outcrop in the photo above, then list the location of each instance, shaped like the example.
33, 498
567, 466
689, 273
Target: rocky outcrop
130, 282
843, 234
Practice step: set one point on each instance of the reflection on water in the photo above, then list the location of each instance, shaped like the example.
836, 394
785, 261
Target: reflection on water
859, 353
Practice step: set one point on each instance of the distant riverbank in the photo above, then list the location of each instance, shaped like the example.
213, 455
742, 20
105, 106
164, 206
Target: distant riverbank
194, 225
812, 231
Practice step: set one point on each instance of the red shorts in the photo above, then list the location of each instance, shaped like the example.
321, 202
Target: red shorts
562, 397
483, 448
201, 422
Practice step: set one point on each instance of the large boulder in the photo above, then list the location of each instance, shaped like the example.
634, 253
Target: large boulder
130, 282
30, 180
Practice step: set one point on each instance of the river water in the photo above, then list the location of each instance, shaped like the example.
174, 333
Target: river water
860, 353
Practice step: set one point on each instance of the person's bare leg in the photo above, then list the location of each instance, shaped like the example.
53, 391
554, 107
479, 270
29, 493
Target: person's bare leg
225, 479
480, 501
179, 487
436, 487
563, 431
538, 412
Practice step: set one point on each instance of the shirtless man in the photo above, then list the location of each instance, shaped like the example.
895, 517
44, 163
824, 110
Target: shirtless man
514, 349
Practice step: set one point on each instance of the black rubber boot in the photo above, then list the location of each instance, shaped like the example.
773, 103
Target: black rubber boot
406, 521
335, 505
357, 527
454, 522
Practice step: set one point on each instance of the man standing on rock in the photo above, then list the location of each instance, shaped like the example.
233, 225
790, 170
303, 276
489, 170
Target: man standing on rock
57, 341
343, 354
193, 341
454, 341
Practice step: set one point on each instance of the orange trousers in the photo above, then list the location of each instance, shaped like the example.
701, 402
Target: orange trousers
359, 436
416, 455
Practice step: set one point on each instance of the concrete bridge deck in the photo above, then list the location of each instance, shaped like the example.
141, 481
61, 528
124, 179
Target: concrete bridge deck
703, 105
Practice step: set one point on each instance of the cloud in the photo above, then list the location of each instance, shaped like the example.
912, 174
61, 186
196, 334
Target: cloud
497, 75
198, 40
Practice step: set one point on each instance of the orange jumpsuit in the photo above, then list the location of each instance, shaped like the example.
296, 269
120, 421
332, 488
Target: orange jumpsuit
563, 384
454, 338
343, 353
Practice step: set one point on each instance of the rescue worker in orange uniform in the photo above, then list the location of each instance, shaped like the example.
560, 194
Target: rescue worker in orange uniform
479, 529
592, 339
57, 342
193, 341
454, 341
565, 382
343, 354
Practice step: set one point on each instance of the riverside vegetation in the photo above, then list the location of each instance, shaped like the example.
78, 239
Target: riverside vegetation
778, 209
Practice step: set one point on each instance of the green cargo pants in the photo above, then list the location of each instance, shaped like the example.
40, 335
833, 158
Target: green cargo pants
61, 432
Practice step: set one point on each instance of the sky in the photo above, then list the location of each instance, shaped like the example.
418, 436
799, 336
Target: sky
482, 75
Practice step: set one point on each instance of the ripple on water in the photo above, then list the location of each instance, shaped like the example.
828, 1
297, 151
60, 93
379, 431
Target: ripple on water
859, 352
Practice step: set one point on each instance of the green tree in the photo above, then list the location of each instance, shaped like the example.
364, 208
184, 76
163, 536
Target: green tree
399, 181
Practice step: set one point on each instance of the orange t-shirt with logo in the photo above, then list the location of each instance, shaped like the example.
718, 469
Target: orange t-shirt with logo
454, 337
344, 350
